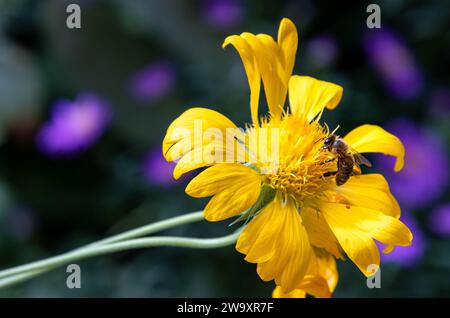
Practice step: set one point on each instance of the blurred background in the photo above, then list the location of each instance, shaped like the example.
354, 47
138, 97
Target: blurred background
83, 113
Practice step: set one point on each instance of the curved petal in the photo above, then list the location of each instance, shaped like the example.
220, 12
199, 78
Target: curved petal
316, 286
200, 156
296, 293
271, 61
181, 134
372, 138
234, 187
277, 240
272, 70
328, 270
319, 232
321, 279
369, 191
356, 227
201, 137
251, 68
288, 42
320, 282
309, 96
257, 240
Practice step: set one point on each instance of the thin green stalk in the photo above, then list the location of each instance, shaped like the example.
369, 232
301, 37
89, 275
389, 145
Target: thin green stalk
152, 228
141, 231
15, 279
138, 232
23, 272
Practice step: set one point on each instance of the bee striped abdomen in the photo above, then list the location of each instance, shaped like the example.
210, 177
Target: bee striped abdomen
347, 159
345, 170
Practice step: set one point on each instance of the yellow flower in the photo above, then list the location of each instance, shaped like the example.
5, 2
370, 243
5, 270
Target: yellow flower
297, 219
321, 283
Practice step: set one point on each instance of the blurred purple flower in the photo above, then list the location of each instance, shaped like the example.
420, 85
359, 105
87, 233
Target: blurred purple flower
322, 50
74, 125
407, 256
222, 13
439, 220
153, 81
439, 102
394, 62
157, 171
425, 174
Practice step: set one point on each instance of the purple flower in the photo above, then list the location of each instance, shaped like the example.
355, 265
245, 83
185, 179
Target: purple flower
425, 174
222, 13
439, 220
322, 50
157, 171
407, 256
153, 81
439, 102
394, 62
74, 126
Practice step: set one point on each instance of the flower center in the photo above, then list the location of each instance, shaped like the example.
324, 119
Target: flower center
300, 182
303, 168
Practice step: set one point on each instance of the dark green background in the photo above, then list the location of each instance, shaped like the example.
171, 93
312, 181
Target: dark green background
101, 192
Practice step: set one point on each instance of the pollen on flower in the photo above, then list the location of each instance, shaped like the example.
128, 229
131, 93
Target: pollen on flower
303, 168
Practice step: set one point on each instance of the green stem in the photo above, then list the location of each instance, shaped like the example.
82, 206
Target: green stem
15, 279
152, 228
20, 273
15, 275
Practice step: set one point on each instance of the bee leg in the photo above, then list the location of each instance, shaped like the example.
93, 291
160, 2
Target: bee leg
327, 161
329, 174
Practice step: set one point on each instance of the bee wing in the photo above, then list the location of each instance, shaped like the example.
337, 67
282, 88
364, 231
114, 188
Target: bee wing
359, 158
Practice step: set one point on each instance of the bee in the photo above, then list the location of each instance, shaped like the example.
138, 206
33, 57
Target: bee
348, 159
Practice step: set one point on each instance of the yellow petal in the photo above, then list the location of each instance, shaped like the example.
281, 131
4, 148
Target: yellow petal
309, 96
319, 232
257, 240
296, 293
184, 133
215, 152
316, 286
318, 282
234, 188
369, 191
356, 227
201, 137
271, 61
251, 68
288, 42
278, 242
327, 269
372, 138
268, 57
321, 278
195, 158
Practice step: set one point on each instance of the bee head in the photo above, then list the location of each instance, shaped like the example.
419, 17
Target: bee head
328, 142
